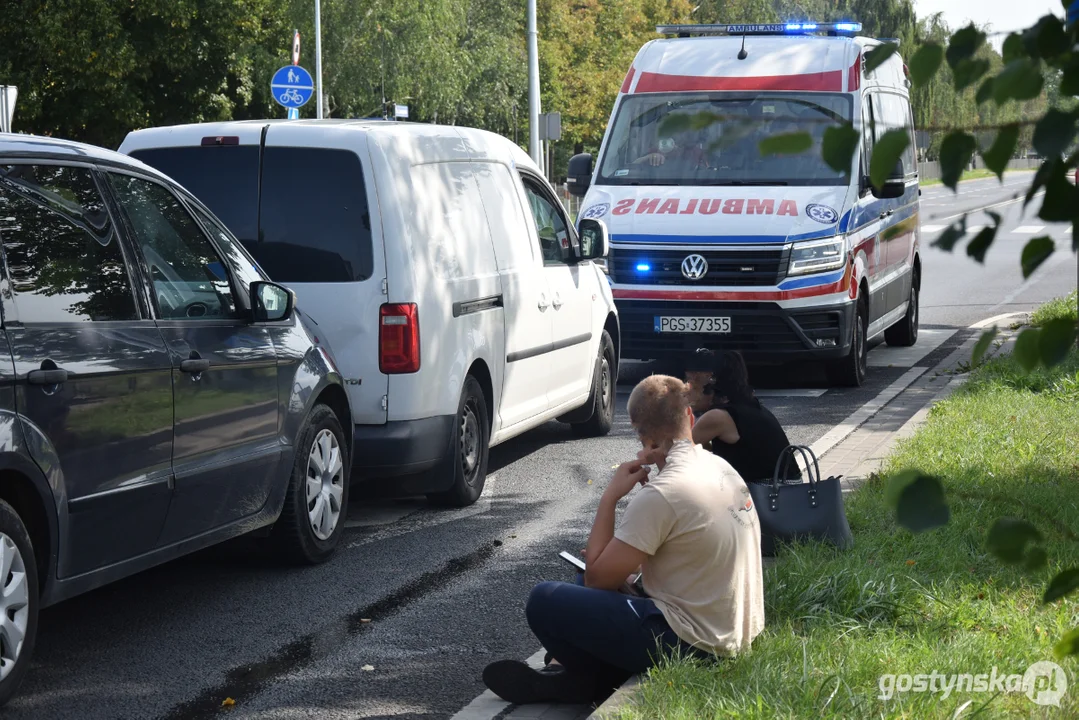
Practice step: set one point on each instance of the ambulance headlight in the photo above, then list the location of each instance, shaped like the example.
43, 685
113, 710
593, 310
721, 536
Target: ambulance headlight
818, 256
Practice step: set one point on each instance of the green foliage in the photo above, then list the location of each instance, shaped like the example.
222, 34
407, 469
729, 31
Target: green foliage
1000, 152
918, 500
786, 144
876, 56
924, 63
886, 154
838, 146
955, 154
1035, 252
982, 346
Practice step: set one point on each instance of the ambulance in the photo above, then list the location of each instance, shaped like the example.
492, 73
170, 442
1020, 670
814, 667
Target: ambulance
718, 242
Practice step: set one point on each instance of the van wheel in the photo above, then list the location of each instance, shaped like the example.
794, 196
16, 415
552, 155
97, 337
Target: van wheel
850, 371
316, 502
471, 439
18, 601
905, 332
603, 393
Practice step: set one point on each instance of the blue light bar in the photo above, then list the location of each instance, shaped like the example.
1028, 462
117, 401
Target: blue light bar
840, 28
643, 267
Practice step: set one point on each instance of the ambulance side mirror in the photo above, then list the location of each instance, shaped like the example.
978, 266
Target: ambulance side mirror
579, 177
894, 187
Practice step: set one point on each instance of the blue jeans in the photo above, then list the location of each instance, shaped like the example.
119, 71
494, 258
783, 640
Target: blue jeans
602, 634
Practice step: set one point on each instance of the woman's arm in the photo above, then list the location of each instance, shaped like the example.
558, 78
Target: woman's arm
715, 424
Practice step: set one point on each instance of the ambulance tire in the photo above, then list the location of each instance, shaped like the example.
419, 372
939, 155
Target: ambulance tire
850, 370
905, 332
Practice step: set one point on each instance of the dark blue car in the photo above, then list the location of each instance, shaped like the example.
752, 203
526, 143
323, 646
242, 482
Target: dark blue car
157, 393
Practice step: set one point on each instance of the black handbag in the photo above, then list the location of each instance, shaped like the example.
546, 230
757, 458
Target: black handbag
810, 510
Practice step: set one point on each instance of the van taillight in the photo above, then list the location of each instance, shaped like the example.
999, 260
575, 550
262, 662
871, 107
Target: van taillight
398, 339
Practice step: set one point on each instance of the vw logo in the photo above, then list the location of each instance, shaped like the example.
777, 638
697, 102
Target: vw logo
694, 267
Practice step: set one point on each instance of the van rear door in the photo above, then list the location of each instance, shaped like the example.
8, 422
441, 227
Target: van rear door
320, 234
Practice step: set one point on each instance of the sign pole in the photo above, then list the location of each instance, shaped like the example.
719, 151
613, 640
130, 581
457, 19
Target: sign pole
534, 147
318, 57
294, 113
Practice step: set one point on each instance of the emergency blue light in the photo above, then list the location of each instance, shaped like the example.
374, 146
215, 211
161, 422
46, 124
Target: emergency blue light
643, 267
840, 28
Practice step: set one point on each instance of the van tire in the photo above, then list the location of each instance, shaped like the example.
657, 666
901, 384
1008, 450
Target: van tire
850, 370
602, 396
905, 332
470, 439
12, 529
293, 537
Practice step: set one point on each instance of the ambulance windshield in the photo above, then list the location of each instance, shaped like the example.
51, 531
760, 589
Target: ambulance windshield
714, 139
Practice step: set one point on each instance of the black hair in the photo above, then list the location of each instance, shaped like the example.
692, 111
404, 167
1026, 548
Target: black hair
731, 380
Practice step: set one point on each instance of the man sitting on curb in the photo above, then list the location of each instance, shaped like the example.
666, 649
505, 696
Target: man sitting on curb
693, 532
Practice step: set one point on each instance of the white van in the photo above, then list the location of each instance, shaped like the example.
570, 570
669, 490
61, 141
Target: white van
458, 298
779, 256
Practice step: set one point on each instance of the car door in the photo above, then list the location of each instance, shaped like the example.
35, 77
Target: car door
226, 451
571, 361
93, 376
526, 298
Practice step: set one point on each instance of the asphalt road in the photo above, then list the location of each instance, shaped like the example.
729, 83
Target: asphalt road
443, 591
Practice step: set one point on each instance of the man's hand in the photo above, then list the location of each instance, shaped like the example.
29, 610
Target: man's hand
625, 477
652, 456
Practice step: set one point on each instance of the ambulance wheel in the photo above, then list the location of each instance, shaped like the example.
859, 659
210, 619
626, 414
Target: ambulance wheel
850, 370
905, 332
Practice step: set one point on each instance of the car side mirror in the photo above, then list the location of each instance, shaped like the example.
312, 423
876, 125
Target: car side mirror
594, 239
579, 177
894, 187
271, 302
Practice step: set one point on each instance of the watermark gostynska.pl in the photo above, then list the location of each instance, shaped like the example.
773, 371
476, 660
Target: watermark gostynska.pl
1043, 682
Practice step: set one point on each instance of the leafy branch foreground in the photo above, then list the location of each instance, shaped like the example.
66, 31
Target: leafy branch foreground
900, 602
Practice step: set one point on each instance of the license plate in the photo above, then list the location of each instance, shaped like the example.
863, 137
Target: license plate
693, 324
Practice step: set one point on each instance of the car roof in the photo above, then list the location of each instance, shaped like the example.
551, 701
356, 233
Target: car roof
250, 131
22, 146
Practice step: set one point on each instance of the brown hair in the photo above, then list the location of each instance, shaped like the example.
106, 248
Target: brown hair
657, 407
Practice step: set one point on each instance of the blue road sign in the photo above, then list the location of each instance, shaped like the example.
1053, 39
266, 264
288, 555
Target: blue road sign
292, 86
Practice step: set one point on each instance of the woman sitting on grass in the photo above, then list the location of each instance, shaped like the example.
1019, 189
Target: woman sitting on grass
733, 423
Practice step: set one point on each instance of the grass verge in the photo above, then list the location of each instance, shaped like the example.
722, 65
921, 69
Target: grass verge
1062, 307
1006, 444
967, 175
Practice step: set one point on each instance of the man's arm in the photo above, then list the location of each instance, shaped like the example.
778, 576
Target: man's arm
715, 424
609, 561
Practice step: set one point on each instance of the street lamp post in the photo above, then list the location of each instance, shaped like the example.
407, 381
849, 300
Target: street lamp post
534, 147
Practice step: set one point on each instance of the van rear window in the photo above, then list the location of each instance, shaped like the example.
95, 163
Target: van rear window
225, 178
314, 222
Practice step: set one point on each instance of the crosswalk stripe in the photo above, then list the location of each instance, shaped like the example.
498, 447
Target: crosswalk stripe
932, 228
975, 229
1028, 229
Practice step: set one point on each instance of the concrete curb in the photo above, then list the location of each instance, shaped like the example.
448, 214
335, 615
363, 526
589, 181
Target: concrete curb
957, 358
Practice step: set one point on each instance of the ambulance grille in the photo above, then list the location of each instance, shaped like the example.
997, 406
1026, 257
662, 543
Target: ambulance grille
742, 267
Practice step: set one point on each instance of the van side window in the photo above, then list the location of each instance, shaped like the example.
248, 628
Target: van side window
63, 253
190, 281
869, 139
314, 224
551, 226
892, 112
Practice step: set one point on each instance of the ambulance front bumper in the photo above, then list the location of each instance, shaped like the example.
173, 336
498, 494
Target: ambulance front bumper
762, 331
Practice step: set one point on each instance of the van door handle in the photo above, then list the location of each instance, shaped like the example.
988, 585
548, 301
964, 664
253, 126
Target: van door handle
543, 304
557, 301
54, 376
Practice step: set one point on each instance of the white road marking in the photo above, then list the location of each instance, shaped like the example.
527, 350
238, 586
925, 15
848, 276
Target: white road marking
995, 320
972, 229
489, 705
989, 207
791, 392
928, 341
1028, 229
933, 228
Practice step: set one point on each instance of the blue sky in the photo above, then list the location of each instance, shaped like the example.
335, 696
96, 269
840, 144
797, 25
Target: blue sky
1003, 15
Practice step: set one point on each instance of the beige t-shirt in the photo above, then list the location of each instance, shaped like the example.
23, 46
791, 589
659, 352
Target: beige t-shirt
697, 523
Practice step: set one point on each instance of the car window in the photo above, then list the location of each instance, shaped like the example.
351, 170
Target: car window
243, 267
314, 224
190, 280
62, 252
551, 227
